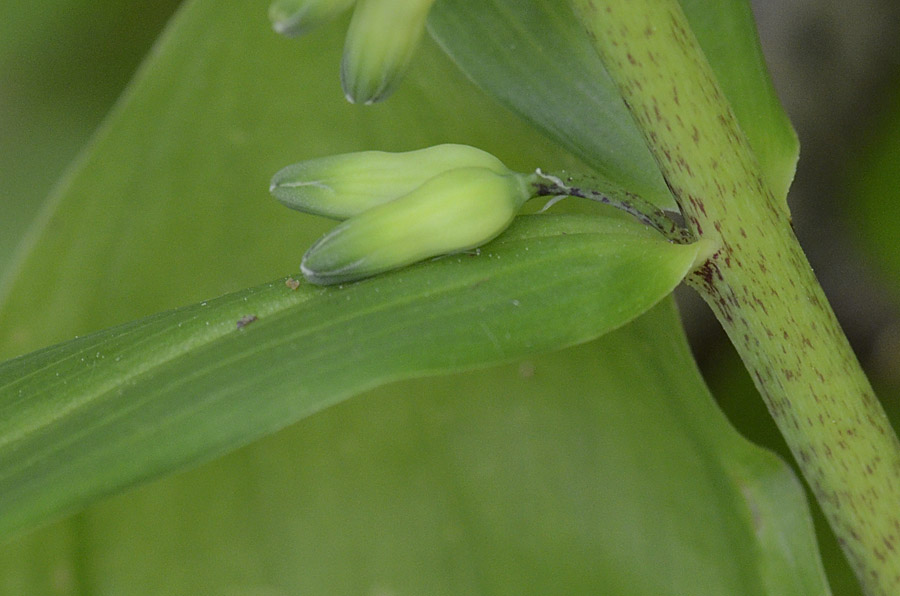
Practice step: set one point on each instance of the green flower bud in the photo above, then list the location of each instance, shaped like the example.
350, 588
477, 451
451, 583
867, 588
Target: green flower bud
292, 18
341, 186
454, 211
380, 42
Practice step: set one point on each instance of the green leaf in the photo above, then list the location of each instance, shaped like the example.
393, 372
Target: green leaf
726, 31
198, 382
169, 205
605, 468
534, 56
547, 475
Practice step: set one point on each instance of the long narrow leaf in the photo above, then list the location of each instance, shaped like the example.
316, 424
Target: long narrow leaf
88, 417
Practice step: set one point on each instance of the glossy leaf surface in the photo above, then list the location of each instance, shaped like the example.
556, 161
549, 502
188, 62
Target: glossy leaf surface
186, 385
603, 468
535, 58
550, 473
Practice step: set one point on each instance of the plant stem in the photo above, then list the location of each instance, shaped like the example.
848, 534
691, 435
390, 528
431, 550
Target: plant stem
758, 282
587, 187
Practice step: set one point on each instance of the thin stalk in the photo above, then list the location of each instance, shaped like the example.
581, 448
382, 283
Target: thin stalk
758, 281
669, 224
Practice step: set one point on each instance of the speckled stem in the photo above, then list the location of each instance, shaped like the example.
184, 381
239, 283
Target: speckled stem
758, 282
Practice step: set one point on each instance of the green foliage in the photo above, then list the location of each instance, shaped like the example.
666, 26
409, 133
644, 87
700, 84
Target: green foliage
216, 375
603, 468
546, 474
62, 64
535, 58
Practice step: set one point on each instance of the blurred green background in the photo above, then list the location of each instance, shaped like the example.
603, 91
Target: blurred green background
62, 66
837, 69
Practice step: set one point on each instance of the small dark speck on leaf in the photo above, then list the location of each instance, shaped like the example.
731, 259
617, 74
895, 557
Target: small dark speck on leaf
245, 320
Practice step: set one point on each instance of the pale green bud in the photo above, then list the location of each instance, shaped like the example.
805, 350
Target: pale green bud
292, 18
381, 40
454, 211
341, 186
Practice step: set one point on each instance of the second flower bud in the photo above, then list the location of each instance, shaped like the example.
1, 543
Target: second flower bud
341, 186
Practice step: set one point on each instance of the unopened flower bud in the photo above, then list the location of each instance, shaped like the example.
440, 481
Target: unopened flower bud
452, 212
341, 186
292, 18
381, 40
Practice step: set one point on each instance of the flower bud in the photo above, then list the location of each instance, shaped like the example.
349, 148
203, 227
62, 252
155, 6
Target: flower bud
341, 186
292, 18
380, 42
454, 211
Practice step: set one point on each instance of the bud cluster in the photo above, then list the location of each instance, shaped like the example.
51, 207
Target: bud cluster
380, 42
400, 208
